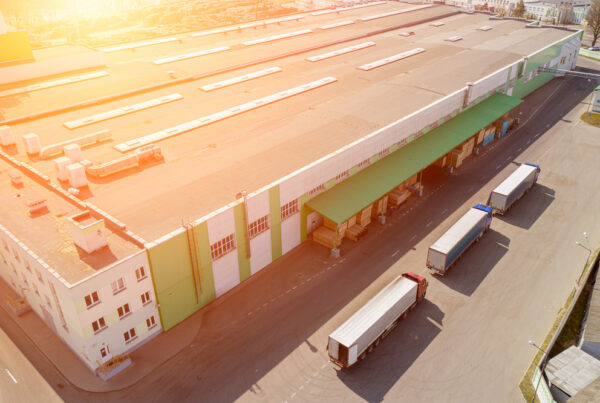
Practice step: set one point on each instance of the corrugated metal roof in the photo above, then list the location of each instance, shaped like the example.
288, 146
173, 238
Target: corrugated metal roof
355, 193
592, 324
349, 332
572, 370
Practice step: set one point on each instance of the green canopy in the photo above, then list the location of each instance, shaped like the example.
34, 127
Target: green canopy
370, 184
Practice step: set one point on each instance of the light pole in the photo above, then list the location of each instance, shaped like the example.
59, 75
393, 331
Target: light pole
589, 249
545, 354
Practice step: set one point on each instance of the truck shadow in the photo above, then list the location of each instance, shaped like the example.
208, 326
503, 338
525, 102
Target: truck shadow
477, 262
396, 353
525, 212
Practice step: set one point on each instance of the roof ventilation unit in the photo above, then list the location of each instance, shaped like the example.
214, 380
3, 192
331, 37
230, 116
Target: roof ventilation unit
485, 28
436, 24
32, 143
454, 39
36, 205
406, 33
87, 232
7, 137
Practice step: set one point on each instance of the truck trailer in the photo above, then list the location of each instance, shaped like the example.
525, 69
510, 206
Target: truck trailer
450, 246
513, 187
356, 337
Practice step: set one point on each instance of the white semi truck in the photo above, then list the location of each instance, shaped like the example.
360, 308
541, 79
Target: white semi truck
356, 337
513, 187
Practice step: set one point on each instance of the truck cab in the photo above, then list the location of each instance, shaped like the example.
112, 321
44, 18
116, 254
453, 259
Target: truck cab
421, 281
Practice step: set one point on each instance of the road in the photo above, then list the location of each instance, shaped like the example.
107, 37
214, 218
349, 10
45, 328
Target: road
467, 342
19, 380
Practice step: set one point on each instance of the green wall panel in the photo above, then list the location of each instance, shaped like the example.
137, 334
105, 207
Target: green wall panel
171, 269
240, 236
275, 207
304, 212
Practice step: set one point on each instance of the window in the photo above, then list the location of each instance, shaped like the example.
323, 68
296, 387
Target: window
342, 176
289, 209
5, 245
104, 352
146, 298
35, 288
563, 59
385, 152
48, 301
140, 273
315, 191
222, 247
24, 279
39, 276
16, 255
98, 325
364, 163
123, 311
258, 227
118, 285
92, 299
150, 322
27, 266
129, 335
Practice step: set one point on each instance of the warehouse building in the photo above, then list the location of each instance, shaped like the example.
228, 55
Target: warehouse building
267, 135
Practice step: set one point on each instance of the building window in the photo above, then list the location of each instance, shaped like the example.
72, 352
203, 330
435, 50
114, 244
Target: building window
385, 152
123, 311
140, 273
24, 279
118, 285
258, 227
27, 266
222, 247
289, 209
98, 325
35, 288
340, 177
48, 301
316, 190
150, 322
146, 298
92, 299
39, 276
563, 59
5, 245
129, 335
16, 255
104, 352
364, 163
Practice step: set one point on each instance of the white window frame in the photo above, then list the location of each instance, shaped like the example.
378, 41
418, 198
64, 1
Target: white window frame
94, 299
258, 227
290, 209
126, 309
118, 285
222, 247
99, 325
150, 322
130, 335
146, 296
140, 273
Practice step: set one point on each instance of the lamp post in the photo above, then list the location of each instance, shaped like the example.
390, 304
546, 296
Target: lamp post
541, 369
589, 249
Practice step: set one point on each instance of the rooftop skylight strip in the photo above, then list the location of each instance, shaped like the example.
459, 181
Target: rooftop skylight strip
240, 79
406, 10
139, 44
277, 37
340, 51
54, 83
191, 55
391, 59
215, 117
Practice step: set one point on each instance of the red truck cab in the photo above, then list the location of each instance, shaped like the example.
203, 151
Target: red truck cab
421, 281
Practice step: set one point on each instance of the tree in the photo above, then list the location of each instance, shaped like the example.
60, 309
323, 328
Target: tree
485, 6
519, 10
593, 19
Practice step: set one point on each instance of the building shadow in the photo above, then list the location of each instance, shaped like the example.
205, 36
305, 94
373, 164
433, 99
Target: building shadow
476, 263
395, 354
525, 211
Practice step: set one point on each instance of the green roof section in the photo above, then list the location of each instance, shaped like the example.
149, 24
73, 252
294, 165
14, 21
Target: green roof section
355, 193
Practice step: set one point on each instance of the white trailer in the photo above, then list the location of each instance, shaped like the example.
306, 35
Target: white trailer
371, 323
513, 187
450, 246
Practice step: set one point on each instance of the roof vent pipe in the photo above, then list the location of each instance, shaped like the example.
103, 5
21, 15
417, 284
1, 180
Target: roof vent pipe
468, 94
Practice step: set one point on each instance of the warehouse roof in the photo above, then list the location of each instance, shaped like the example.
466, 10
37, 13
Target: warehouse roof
572, 370
357, 192
591, 332
204, 168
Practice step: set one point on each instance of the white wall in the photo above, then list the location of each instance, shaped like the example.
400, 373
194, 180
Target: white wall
226, 273
290, 233
261, 251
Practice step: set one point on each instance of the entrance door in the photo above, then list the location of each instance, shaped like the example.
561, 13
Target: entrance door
105, 354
